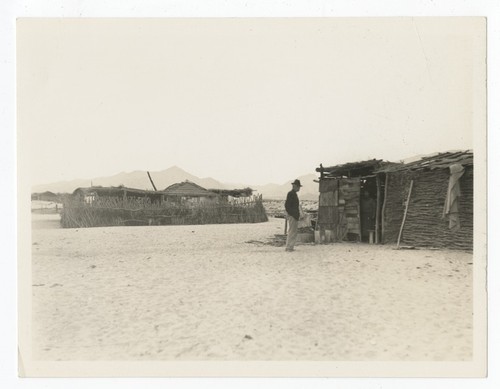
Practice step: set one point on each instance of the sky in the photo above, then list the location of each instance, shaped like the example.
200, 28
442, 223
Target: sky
241, 100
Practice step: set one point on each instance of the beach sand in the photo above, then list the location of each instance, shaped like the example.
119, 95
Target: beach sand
220, 292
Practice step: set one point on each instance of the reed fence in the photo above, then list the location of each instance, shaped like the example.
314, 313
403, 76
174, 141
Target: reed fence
114, 211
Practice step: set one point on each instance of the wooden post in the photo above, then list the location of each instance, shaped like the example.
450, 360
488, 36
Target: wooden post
383, 206
359, 222
406, 211
359, 209
152, 183
377, 210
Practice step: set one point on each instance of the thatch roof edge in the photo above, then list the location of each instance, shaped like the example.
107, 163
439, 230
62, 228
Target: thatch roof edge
115, 188
436, 161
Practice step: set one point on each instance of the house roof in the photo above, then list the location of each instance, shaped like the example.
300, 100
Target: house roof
188, 188
351, 169
47, 195
435, 161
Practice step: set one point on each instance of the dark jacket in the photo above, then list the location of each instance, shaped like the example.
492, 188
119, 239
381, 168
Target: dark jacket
292, 204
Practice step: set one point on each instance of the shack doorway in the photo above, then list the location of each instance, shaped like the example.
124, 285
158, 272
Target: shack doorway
339, 204
372, 196
350, 195
368, 209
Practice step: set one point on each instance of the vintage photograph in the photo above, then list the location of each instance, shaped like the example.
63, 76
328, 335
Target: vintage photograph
253, 190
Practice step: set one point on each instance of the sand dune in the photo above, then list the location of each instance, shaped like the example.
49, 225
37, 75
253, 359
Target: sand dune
205, 293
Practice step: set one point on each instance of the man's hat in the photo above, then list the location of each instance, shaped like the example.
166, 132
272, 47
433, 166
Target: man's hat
297, 182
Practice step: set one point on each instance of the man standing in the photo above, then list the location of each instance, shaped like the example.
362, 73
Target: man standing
293, 214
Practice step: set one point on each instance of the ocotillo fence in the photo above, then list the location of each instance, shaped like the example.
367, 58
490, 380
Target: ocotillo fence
114, 211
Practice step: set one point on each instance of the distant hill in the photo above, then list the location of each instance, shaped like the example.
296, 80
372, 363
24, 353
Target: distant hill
136, 179
162, 179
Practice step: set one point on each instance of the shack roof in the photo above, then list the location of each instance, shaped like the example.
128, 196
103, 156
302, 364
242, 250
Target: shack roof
114, 191
188, 188
351, 169
245, 192
435, 161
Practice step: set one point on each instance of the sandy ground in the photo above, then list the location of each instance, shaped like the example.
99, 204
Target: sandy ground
205, 293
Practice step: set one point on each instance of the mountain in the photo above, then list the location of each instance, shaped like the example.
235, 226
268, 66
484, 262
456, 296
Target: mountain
162, 179
136, 179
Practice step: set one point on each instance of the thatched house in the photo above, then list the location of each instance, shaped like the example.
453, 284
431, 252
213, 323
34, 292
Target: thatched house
349, 201
429, 202
180, 192
179, 204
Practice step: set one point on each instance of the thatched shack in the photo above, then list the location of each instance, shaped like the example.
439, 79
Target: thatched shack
424, 203
429, 202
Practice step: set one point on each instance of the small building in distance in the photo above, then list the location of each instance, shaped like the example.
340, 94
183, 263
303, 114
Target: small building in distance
45, 196
186, 191
183, 203
46, 202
